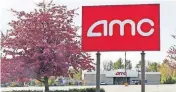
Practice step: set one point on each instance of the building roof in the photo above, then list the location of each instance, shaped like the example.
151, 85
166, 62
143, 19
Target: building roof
151, 73
105, 72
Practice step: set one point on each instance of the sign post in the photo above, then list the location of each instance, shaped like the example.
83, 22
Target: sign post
142, 71
98, 72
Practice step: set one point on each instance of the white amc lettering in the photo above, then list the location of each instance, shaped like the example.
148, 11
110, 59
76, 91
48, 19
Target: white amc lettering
90, 32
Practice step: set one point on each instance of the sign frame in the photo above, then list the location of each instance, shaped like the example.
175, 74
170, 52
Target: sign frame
108, 50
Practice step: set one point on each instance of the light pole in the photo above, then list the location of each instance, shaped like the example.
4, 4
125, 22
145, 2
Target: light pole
138, 70
125, 69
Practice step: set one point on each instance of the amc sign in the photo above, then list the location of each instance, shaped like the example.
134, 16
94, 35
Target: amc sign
121, 73
121, 28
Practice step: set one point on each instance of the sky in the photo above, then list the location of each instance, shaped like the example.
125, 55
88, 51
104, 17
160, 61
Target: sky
167, 23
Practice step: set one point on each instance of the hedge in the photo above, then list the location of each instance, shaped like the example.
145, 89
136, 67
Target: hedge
70, 90
169, 80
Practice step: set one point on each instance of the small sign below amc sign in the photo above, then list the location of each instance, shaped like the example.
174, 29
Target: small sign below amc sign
121, 28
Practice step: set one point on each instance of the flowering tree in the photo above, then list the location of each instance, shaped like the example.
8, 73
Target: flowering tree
172, 54
42, 43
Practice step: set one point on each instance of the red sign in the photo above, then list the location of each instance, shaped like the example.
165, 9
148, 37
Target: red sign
121, 28
121, 73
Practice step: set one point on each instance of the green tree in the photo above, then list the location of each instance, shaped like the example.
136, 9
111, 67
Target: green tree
78, 75
164, 70
118, 64
75, 74
138, 65
152, 66
167, 73
128, 64
108, 65
52, 80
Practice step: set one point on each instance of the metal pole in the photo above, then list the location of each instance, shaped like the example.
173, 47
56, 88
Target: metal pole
125, 68
98, 72
138, 71
142, 71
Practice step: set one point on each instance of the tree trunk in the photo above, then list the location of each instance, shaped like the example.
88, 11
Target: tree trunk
46, 84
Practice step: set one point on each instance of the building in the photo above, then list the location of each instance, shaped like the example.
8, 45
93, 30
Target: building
119, 77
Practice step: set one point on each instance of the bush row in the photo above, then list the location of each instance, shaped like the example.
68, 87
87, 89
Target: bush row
169, 80
70, 90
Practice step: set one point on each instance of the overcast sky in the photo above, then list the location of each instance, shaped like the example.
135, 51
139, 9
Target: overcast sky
167, 19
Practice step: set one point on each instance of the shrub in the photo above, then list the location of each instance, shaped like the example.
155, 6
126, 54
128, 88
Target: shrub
70, 90
169, 80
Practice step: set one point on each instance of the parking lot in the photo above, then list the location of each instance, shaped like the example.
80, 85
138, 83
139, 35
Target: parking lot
137, 88
108, 88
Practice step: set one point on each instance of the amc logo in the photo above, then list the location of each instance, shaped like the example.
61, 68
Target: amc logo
121, 28
121, 73
109, 32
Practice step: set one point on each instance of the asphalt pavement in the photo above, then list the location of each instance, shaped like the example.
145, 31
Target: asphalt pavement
108, 88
